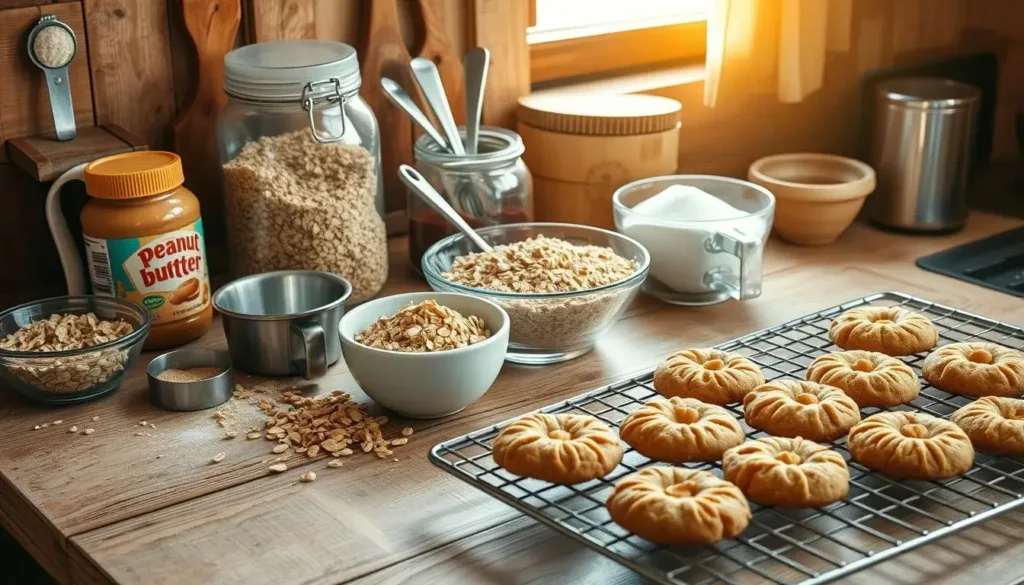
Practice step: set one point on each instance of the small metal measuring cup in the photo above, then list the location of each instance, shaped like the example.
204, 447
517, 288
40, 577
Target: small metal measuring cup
188, 396
284, 323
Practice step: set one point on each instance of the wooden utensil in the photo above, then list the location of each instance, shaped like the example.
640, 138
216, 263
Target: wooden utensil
274, 20
438, 47
384, 55
211, 24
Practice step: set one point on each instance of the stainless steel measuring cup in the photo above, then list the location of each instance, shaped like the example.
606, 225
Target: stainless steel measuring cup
284, 323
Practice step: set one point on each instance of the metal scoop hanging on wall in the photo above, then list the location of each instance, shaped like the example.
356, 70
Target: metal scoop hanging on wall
52, 46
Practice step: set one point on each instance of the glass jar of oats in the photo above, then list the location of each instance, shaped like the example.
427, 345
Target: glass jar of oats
300, 156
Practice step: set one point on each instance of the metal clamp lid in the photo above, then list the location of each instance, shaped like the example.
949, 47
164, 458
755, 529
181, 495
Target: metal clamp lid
311, 97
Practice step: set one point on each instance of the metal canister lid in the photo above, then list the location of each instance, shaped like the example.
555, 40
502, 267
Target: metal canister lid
929, 93
280, 71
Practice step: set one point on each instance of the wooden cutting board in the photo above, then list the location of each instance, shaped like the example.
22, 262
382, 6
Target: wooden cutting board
211, 25
437, 46
384, 54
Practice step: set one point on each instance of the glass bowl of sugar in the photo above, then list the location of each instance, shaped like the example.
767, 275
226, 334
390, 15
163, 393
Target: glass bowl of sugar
706, 235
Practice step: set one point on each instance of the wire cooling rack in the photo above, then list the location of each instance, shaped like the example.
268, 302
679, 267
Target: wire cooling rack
879, 519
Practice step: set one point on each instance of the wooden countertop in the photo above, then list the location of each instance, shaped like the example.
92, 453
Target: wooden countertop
116, 507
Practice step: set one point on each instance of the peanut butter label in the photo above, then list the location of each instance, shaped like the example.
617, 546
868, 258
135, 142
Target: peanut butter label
165, 273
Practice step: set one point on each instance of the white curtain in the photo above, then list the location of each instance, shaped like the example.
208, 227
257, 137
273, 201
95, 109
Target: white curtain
779, 46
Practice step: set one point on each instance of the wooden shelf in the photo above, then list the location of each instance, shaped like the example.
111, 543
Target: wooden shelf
45, 158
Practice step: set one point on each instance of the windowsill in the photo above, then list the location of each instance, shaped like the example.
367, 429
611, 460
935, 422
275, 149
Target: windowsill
638, 82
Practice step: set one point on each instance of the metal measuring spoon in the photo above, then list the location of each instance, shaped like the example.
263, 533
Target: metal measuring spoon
52, 46
400, 98
477, 62
425, 73
415, 181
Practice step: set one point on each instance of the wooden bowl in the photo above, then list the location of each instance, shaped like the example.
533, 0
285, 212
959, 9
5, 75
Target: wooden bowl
817, 195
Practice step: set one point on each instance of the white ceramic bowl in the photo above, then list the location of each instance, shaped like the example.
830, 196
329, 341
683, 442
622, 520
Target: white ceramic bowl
428, 384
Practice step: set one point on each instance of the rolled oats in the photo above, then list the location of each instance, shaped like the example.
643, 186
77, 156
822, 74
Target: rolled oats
541, 265
278, 468
295, 204
407, 432
307, 477
427, 326
550, 265
218, 457
67, 332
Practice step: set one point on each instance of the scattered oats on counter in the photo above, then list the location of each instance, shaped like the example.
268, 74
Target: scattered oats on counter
328, 424
541, 265
218, 457
278, 468
427, 326
307, 477
67, 332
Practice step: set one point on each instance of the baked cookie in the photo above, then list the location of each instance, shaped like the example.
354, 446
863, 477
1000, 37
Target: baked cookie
792, 473
794, 408
674, 505
976, 368
869, 377
911, 445
560, 448
889, 330
709, 375
993, 424
681, 429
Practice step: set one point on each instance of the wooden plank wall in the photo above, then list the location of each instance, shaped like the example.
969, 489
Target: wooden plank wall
137, 67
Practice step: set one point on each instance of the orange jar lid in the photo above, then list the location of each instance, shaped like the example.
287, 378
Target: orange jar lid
134, 174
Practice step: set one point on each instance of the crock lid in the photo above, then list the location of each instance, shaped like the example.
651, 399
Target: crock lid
133, 174
928, 92
599, 115
278, 71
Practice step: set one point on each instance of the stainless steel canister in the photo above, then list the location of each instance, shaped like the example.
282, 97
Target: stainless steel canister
921, 150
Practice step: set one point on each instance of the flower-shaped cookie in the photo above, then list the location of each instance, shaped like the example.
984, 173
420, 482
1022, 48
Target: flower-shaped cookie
976, 368
911, 445
993, 424
792, 473
709, 375
681, 429
673, 505
869, 377
560, 448
794, 408
889, 330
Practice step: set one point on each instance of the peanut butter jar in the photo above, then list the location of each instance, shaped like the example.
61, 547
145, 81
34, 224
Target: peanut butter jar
581, 148
144, 242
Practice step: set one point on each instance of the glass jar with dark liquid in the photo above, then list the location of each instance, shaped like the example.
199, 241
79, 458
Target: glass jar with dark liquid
489, 188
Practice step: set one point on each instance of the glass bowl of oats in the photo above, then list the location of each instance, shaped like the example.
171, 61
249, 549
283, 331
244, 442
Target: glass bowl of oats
70, 349
562, 285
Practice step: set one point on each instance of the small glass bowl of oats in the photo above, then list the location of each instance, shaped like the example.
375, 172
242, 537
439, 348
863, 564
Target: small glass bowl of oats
70, 349
562, 285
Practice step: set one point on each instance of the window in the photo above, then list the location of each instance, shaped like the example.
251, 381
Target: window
572, 38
